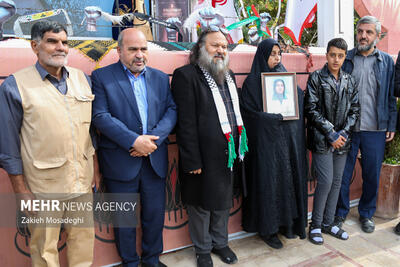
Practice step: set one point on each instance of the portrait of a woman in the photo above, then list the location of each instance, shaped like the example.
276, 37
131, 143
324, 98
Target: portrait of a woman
280, 103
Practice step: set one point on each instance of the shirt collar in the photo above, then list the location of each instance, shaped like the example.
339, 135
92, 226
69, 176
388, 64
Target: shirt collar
129, 71
333, 77
43, 72
374, 53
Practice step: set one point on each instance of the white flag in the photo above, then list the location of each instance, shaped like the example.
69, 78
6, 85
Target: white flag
300, 14
227, 8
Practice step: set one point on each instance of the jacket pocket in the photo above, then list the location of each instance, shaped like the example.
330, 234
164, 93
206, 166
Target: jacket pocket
50, 164
84, 103
52, 169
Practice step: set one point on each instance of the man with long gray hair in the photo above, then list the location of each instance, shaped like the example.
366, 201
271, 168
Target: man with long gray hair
373, 71
209, 131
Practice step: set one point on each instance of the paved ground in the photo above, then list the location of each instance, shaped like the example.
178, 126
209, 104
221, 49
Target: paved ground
381, 248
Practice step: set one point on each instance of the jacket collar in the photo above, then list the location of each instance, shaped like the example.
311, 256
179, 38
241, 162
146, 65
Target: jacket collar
353, 52
128, 71
326, 75
44, 74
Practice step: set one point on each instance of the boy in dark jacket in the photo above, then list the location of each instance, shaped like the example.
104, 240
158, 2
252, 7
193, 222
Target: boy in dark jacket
332, 109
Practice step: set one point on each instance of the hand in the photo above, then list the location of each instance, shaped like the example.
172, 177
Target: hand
198, 171
145, 144
22, 192
173, 20
96, 174
210, 16
389, 136
171, 33
264, 18
253, 36
126, 19
134, 153
26, 197
96, 180
339, 142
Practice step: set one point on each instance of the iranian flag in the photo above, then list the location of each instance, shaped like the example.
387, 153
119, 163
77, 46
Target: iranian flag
300, 14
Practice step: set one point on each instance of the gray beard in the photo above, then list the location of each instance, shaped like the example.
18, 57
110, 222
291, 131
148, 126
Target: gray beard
364, 48
216, 70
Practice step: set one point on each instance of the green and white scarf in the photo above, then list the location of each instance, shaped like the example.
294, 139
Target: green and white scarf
223, 117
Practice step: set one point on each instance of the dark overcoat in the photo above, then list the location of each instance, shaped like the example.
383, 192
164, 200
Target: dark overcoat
201, 142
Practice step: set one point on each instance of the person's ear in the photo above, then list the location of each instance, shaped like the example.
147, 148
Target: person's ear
35, 46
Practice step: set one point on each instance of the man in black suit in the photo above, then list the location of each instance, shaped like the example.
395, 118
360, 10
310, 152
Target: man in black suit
208, 131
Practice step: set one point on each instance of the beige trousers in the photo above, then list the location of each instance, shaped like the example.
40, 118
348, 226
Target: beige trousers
45, 237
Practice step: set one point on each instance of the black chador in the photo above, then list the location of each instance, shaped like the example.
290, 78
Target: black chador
276, 169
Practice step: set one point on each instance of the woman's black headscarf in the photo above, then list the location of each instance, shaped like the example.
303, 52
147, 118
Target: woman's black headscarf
260, 61
251, 91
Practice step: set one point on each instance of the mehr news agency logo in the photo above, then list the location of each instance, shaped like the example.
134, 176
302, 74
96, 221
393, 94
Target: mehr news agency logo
79, 211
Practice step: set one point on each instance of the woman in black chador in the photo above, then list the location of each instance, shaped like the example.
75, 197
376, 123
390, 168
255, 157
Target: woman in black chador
276, 169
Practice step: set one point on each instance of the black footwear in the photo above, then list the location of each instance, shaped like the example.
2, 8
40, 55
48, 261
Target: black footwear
314, 235
226, 255
397, 229
159, 264
339, 221
204, 260
335, 231
272, 241
289, 233
367, 225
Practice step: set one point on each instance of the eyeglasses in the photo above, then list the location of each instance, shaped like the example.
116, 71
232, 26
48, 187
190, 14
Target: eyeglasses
215, 28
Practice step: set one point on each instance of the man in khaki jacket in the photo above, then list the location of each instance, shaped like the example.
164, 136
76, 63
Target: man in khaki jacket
45, 144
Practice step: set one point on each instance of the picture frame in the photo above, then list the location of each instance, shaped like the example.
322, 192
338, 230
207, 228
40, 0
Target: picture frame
279, 93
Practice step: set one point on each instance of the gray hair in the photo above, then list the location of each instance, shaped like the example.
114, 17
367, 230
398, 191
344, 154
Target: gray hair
42, 26
370, 20
195, 51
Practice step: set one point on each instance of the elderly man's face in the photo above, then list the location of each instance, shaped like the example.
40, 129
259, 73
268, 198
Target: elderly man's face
133, 52
216, 46
52, 50
367, 37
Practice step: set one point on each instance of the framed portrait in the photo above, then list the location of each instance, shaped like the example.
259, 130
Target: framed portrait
279, 92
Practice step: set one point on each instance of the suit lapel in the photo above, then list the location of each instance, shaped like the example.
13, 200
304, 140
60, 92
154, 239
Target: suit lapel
126, 87
204, 81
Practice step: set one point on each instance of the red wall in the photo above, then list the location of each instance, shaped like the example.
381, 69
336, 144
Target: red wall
13, 245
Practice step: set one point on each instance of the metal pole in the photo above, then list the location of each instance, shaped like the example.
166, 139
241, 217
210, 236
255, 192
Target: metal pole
117, 11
